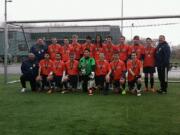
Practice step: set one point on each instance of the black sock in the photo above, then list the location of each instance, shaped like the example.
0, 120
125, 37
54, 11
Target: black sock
139, 86
146, 82
152, 82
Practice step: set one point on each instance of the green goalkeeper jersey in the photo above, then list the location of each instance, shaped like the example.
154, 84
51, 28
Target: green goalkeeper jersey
86, 65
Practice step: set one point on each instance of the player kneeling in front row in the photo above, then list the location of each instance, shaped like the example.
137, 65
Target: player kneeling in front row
29, 70
118, 70
45, 74
134, 68
58, 73
72, 72
102, 73
87, 68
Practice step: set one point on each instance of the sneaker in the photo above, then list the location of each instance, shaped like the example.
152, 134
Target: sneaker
138, 93
123, 92
146, 89
164, 92
90, 92
23, 90
63, 92
153, 90
49, 91
159, 91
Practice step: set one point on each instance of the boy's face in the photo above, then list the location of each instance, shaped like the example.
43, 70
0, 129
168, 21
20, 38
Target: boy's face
86, 53
58, 57
46, 56
133, 56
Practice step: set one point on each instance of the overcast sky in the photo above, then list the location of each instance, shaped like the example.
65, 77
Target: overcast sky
73, 9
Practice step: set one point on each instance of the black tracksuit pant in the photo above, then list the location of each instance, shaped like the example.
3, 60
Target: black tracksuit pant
32, 81
163, 77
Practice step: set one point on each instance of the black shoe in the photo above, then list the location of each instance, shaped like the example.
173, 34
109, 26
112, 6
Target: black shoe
160, 91
164, 92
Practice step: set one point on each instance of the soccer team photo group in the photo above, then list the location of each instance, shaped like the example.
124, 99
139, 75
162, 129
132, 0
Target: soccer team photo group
97, 65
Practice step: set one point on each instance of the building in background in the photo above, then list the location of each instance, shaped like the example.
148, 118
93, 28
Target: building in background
20, 41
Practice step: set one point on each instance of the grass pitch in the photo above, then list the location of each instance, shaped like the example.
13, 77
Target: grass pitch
79, 114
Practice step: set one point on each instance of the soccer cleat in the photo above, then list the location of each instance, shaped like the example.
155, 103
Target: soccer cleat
164, 92
138, 93
146, 89
153, 89
63, 92
90, 92
160, 91
49, 91
23, 90
123, 92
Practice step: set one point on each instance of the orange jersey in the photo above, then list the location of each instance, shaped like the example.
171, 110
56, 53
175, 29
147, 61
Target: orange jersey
97, 51
58, 67
53, 50
149, 57
72, 67
90, 47
108, 51
139, 49
123, 52
77, 49
46, 66
135, 67
65, 53
102, 67
117, 68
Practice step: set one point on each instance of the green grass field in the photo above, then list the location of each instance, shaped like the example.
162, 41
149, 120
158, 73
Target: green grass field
79, 114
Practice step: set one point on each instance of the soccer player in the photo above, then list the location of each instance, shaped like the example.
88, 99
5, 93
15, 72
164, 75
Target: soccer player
53, 49
88, 44
39, 49
98, 47
87, 68
108, 49
123, 49
134, 68
45, 73
137, 48
72, 72
59, 71
163, 54
118, 70
149, 64
102, 74
76, 47
65, 50
29, 69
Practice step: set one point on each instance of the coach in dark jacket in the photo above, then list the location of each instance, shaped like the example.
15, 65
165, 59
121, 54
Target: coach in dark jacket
39, 49
29, 69
162, 62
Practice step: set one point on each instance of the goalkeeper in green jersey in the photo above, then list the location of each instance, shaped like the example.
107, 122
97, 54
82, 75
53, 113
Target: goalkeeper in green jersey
87, 68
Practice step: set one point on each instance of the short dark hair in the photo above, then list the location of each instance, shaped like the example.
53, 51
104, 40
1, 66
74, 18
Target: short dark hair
109, 37
148, 38
88, 37
66, 37
122, 37
87, 49
136, 37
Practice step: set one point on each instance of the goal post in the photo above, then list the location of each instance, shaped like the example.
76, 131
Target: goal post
99, 21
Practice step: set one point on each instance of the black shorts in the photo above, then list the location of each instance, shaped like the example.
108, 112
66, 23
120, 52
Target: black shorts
58, 80
100, 80
149, 70
116, 84
73, 80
